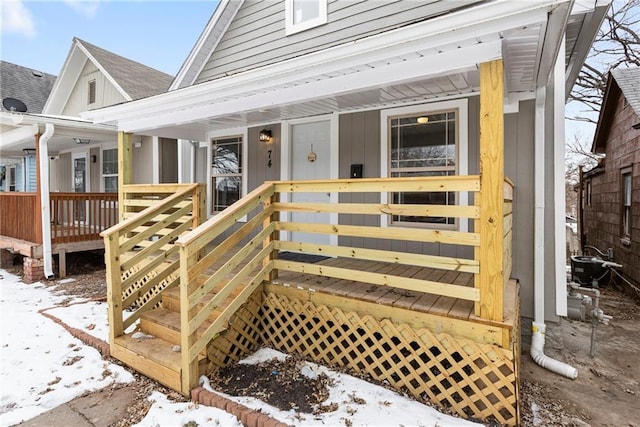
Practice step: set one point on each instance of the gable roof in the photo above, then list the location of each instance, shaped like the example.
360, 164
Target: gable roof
207, 42
625, 81
132, 79
29, 86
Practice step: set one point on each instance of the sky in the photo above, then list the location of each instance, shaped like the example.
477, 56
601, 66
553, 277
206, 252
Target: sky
46, 367
159, 33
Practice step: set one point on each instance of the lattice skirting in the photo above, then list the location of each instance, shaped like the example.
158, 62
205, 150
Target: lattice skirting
242, 338
152, 292
472, 379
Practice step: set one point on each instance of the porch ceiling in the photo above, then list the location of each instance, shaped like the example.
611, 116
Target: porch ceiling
414, 64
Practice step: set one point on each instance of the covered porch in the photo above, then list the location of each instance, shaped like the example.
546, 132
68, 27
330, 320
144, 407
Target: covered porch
446, 328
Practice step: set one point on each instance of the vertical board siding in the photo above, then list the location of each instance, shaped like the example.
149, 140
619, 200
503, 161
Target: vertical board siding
169, 160
256, 37
106, 93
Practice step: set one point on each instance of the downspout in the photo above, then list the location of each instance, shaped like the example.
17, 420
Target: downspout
192, 161
43, 154
538, 326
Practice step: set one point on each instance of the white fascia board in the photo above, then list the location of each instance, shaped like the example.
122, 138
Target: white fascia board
66, 122
103, 71
489, 18
553, 38
588, 32
219, 23
463, 59
65, 82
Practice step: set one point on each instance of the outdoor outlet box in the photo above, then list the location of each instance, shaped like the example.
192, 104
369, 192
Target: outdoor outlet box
356, 170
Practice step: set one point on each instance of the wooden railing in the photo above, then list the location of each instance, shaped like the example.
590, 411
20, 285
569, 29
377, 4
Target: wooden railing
140, 255
80, 217
20, 216
256, 245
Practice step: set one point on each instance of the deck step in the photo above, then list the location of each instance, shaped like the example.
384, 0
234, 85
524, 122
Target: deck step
165, 324
171, 300
153, 357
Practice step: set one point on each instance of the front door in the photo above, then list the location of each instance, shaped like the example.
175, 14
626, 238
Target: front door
310, 148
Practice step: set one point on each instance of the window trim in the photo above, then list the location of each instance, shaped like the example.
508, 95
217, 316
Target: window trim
624, 173
91, 84
102, 175
291, 28
462, 168
227, 133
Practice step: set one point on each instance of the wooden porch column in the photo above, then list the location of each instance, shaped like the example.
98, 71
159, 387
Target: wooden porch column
125, 172
491, 191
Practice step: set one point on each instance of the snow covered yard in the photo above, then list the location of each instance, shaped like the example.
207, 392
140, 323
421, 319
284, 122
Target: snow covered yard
43, 366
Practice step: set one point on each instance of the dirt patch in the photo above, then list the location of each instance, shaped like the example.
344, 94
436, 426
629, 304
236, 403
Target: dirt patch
278, 383
607, 389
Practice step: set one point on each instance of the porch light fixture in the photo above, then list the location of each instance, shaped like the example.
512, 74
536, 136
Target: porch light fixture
29, 151
82, 140
264, 135
422, 120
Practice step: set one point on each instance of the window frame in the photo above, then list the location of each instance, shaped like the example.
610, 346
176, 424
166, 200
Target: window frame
626, 176
292, 28
91, 90
102, 174
460, 106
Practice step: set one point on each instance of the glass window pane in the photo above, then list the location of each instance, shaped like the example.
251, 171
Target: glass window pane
305, 10
424, 145
111, 184
110, 162
227, 157
226, 191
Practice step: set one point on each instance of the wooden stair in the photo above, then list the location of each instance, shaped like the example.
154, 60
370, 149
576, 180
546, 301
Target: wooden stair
155, 355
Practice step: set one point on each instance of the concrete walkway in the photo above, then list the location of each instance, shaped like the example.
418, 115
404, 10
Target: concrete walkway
99, 409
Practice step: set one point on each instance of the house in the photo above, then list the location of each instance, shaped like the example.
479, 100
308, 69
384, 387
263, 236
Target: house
610, 192
22, 89
68, 194
419, 146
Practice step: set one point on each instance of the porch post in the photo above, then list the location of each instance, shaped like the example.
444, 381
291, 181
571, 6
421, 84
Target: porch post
491, 190
38, 214
125, 159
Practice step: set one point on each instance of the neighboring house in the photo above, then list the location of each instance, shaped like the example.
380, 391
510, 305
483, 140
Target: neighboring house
21, 90
610, 203
71, 165
436, 130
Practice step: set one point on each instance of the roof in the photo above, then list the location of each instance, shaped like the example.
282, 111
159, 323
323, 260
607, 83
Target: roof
136, 79
29, 86
625, 81
628, 80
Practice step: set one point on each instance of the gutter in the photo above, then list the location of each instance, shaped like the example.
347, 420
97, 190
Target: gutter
43, 154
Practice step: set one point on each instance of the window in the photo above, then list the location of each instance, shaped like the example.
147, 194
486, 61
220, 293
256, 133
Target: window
226, 172
110, 170
92, 92
626, 204
304, 14
588, 193
424, 145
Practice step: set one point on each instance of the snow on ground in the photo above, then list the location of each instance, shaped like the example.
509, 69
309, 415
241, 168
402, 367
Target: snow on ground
41, 364
47, 367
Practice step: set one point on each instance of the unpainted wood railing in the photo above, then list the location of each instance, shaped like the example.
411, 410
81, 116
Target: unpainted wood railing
80, 217
140, 255
256, 245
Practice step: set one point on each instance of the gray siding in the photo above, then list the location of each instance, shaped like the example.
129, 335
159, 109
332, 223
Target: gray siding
143, 162
359, 135
60, 173
259, 172
256, 37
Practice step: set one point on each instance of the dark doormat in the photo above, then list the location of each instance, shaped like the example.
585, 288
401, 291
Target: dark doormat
299, 257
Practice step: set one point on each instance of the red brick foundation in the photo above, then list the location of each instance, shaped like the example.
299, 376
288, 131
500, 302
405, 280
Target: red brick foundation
247, 416
33, 270
6, 258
